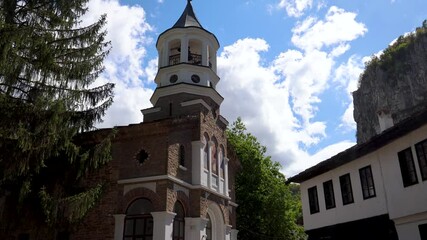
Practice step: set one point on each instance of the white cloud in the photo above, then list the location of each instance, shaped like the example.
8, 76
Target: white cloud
261, 96
128, 32
278, 101
347, 76
295, 8
305, 79
323, 154
338, 27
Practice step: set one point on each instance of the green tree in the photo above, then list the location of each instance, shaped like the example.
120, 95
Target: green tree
267, 207
48, 63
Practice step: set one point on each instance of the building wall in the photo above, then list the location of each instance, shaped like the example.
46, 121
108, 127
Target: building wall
345, 213
406, 206
408, 227
403, 201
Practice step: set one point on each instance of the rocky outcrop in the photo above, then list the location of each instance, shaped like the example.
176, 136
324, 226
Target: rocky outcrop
393, 85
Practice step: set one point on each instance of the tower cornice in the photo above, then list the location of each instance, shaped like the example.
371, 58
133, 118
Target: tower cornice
186, 88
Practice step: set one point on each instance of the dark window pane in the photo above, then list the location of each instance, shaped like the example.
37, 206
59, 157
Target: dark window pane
421, 149
178, 224
423, 231
149, 226
313, 200
328, 189
24, 236
138, 222
346, 190
175, 229
129, 227
407, 167
139, 226
182, 155
367, 182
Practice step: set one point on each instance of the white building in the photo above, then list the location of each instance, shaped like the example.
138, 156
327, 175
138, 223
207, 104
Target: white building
374, 190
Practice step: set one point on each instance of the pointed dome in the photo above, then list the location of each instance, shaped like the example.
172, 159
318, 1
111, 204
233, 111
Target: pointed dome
188, 18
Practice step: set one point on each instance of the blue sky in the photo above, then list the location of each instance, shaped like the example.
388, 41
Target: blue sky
287, 67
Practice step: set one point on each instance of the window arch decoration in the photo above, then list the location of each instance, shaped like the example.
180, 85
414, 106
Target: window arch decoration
138, 221
179, 222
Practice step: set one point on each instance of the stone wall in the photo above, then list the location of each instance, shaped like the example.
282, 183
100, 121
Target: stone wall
397, 86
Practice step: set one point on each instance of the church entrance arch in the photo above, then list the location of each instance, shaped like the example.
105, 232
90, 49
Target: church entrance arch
217, 225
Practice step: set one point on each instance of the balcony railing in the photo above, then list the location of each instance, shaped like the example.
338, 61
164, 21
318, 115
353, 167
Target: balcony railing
194, 59
174, 59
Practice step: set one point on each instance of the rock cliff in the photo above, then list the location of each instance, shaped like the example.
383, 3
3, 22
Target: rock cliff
393, 86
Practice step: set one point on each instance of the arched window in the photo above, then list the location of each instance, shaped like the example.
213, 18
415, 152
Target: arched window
174, 52
214, 156
209, 228
138, 221
221, 162
179, 222
195, 52
206, 152
181, 155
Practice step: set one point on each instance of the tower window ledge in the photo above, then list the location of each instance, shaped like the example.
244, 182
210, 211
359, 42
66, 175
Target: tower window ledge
182, 168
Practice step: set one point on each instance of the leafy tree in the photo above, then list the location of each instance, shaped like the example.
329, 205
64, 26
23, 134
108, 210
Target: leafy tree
267, 207
48, 62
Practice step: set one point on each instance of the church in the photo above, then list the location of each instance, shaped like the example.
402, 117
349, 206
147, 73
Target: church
172, 176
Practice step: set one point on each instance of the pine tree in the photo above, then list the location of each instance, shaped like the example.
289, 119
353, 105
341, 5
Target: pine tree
48, 63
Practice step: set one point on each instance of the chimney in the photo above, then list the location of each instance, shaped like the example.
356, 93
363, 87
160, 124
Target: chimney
385, 119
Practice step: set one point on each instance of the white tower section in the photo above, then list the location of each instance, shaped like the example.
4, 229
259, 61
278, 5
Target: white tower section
187, 54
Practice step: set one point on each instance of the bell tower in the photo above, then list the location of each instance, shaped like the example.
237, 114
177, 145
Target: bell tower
187, 69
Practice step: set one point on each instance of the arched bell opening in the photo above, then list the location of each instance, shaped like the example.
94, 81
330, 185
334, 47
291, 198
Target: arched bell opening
195, 54
174, 52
